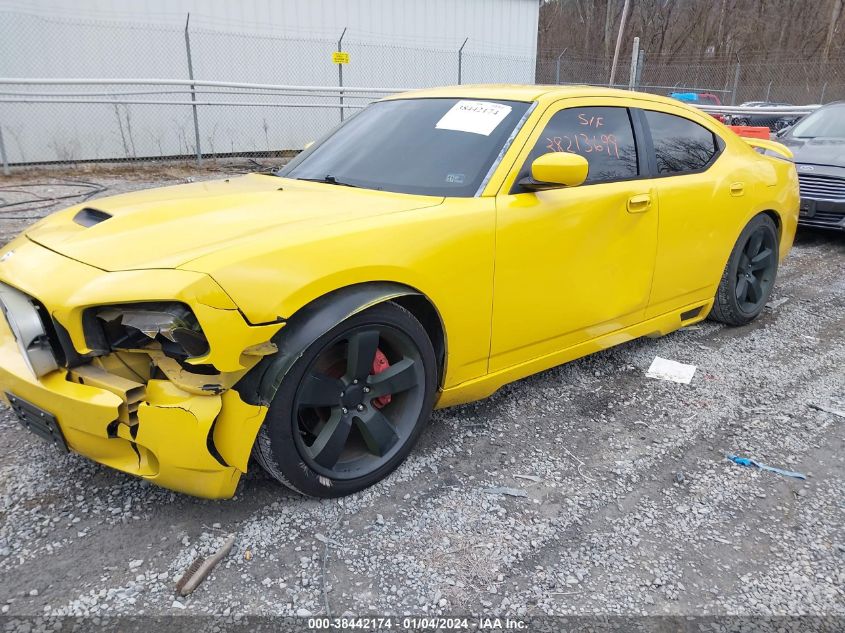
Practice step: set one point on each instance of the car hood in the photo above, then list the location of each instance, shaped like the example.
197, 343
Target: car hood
168, 227
817, 151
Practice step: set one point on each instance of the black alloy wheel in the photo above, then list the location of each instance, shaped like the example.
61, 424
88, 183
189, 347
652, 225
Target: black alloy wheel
352, 407
344, 430
756, 270
749, 275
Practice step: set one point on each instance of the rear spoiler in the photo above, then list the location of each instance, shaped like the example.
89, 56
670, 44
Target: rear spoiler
772, 146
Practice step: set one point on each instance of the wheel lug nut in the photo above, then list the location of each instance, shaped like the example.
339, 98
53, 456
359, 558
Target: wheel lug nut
360, 407
345, 410
355, 382
366, 390
342, 393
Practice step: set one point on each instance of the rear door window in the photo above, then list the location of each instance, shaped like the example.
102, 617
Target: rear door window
680, 145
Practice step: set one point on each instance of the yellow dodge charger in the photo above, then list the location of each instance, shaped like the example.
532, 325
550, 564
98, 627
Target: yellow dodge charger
436, 246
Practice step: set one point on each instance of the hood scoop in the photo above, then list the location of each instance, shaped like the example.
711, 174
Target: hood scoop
89, 217
170, 226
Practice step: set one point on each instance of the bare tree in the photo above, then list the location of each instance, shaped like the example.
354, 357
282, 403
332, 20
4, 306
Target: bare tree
694, 29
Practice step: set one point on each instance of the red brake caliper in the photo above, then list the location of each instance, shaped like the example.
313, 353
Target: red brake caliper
380, 363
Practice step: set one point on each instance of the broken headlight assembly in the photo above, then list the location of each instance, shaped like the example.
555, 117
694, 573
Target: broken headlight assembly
30, 325
169, 326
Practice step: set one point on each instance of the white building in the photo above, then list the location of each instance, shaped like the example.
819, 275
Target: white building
391, 44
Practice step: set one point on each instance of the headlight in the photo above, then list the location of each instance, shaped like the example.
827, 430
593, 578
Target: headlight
28, 327
138, 325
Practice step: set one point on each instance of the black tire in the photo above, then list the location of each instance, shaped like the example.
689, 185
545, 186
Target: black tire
749, 274
309, 425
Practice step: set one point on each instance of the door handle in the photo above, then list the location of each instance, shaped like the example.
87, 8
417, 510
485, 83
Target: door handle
639, 203
737, 188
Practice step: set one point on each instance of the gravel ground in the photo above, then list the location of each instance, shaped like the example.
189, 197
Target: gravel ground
626, 502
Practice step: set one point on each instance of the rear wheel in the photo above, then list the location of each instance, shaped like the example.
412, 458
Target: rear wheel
749, 275
352, 407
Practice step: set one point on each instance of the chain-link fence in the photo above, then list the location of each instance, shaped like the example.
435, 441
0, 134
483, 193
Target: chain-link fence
263, 107
734, 80
209, 92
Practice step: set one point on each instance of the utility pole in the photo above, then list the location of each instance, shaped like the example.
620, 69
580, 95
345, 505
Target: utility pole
831, 29
622, 20
607, 9
720, 30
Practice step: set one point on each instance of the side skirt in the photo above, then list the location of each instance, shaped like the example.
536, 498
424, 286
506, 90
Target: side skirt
657, 326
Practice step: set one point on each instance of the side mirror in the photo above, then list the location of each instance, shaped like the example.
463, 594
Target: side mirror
556, 169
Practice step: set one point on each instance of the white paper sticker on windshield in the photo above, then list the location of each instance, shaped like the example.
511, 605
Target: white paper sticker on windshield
477, 117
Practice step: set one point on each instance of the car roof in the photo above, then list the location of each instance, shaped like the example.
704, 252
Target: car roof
520, 92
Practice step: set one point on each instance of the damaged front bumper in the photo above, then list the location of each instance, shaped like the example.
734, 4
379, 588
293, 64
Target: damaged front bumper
179, 425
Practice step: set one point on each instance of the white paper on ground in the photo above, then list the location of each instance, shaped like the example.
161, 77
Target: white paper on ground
666, 369
477, 117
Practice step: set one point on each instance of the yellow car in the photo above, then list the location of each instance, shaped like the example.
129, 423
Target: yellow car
438, 245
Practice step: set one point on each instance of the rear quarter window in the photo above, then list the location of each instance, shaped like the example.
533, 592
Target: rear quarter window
680, 145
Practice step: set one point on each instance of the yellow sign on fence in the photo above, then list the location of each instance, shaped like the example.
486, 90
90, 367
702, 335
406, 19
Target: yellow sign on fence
339, 57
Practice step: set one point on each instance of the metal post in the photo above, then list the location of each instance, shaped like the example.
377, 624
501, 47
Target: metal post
557, 66
635, 56
824, 89
736, 82
6, 171
640, 64
768, 90
340, 71
193, 90
461, 59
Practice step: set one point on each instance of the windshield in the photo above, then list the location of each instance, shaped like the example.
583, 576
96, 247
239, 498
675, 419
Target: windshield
437, 147
828, 122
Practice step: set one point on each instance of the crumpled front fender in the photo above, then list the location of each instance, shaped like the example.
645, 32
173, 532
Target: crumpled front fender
259, 385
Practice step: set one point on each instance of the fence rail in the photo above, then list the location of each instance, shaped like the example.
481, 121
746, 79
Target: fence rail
155, 118
78, 81
356, 97
774, 111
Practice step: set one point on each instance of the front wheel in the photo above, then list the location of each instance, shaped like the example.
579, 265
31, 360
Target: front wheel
353, 406
749, 275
